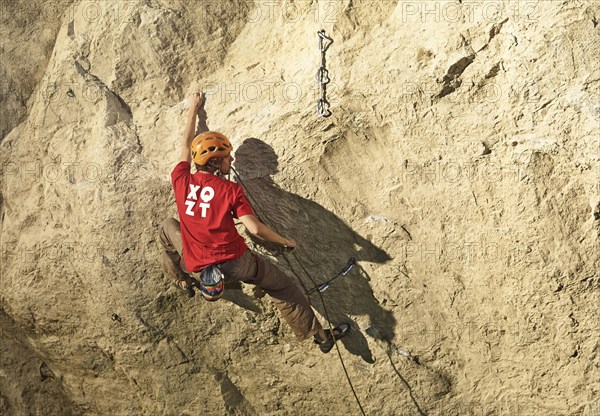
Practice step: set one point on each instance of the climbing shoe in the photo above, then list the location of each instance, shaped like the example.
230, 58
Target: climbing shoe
186, 286
338, 332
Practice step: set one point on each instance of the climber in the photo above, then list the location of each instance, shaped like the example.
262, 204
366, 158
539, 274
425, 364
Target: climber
206, 245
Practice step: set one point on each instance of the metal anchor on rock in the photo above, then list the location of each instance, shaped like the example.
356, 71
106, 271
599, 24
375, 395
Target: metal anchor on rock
323, 75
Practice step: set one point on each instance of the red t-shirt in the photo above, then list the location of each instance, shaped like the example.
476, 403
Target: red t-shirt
207, 205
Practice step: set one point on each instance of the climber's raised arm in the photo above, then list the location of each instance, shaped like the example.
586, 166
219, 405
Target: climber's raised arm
196, 101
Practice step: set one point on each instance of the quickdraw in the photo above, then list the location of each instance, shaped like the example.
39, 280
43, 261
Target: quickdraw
323, 75
325, 285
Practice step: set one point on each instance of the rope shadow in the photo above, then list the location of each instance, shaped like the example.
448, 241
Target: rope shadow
408, 387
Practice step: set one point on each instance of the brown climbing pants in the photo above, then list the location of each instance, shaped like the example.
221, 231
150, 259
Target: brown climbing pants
249, 268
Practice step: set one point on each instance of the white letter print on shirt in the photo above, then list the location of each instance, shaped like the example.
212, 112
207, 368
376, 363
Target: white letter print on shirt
193, 190
207, 194
190, 205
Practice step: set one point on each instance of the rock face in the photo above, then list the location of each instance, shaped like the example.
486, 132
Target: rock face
461, 168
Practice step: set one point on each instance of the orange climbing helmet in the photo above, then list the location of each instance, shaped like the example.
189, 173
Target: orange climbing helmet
208, 145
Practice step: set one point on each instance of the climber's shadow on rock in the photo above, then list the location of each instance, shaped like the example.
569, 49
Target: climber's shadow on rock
325, 243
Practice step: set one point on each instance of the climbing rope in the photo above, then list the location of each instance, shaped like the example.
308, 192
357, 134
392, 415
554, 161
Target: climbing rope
330, 328
259, 209
323, 75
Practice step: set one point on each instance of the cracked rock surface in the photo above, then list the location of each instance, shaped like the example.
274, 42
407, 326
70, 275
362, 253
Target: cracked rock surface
460, 167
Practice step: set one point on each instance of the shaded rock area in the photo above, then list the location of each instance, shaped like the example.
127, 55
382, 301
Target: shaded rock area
27, 384
28, 30
460, 167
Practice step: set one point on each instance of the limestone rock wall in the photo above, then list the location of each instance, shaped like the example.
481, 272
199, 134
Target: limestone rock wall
461, 168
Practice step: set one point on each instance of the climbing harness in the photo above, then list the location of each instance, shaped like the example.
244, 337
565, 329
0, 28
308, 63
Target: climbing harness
325, 285
323, 75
